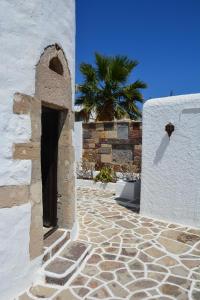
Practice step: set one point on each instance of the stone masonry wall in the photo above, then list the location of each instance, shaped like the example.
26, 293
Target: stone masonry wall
113, 144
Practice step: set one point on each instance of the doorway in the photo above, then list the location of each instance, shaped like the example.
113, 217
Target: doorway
49, 162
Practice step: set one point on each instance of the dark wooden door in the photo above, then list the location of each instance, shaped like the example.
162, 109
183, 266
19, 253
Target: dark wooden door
49, 158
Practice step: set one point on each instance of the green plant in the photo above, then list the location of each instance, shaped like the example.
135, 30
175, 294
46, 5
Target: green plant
106, 92
106, 174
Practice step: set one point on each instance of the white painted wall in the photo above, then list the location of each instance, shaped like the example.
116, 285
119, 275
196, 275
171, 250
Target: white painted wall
27, 27
78, 141
14, 250
171, 167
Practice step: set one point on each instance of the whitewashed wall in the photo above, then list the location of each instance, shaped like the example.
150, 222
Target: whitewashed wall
171, 167
15, 270
78, 140
27, 27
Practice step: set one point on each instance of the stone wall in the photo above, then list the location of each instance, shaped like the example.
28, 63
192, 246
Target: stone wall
114, 144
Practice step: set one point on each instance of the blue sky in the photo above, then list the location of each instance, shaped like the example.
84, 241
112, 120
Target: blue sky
163, 35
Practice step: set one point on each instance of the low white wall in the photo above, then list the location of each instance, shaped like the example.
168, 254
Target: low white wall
128, 190
122, 189
78, 141
171, 167
95, 185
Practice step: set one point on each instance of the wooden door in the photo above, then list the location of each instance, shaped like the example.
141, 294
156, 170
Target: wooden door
49, 159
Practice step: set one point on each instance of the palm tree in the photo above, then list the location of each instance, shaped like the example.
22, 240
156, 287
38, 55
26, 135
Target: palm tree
105, 91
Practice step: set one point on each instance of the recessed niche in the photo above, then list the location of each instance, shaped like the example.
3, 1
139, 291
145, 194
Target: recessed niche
56, 66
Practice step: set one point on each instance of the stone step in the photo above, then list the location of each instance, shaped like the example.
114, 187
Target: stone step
67, 261
54, 242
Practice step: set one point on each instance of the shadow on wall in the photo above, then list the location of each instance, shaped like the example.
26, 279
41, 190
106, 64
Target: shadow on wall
128, 194
161, 149
190, 111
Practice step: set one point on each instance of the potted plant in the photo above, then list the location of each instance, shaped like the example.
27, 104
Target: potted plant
128, 187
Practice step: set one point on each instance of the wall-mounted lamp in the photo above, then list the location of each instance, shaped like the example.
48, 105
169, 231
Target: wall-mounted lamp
169, 128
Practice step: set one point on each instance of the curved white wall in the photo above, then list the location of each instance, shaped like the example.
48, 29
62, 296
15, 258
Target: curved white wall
171, 167
27, 27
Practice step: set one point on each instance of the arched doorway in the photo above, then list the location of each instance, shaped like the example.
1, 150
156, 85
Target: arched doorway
53, 89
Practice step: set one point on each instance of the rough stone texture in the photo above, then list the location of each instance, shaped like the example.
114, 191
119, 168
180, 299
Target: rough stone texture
73, 251
52, 238
129, 264
58, 266
13, 195
112, 143
64, 295
26, 151
42, 291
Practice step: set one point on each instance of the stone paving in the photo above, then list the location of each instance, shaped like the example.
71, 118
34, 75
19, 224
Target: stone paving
132, 257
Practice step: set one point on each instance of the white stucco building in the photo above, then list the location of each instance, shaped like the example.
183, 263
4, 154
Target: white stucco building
37, 83
170, 165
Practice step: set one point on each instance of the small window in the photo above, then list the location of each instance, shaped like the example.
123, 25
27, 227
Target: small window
56, 66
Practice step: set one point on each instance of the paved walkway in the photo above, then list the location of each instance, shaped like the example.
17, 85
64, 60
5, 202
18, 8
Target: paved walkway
132, 257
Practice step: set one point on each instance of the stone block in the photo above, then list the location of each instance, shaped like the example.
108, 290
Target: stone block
108, 126
135, 125
137, 158
24, 104
105, 150
21, 104
110, 134
26, 151
36, 126
117, 141
137, 152
99, 126
36, 171
106, 146
122, 131
92, 146
102, 134
135, 134
138, 147
122, 154
87, 134
36, 192
13, 195
106, 158
42, 291
52, 89
90, 141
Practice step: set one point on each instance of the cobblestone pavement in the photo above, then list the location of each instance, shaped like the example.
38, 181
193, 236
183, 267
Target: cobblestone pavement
132, 257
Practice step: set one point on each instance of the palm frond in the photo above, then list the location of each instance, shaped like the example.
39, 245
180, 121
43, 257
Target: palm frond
88, 72
104, 90
102, 63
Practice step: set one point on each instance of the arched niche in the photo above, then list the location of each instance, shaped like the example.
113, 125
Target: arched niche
53, 79
56, 65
